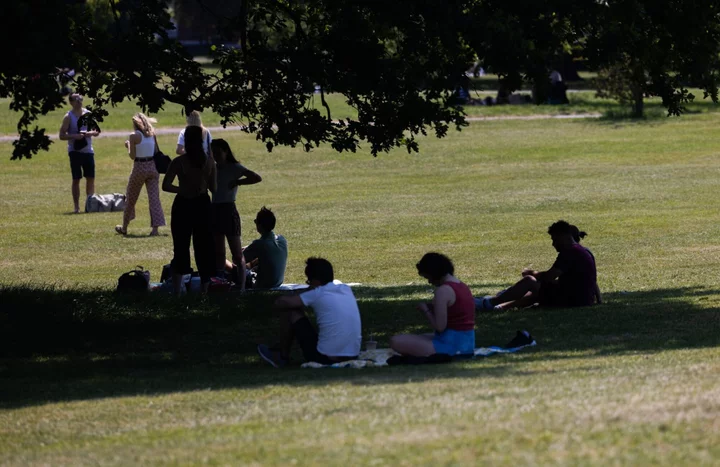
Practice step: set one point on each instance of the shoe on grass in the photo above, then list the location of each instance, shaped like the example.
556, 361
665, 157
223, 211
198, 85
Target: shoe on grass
521, 339
267, 354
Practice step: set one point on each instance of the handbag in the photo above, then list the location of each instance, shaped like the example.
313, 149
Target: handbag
80, 144
88, 121
137, 280
162, 161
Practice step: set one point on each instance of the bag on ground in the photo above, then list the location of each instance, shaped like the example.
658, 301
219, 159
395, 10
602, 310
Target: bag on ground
137, 280
105, 203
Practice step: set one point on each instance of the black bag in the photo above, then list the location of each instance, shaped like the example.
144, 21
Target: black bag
88, 121
162, 161
79, 144
166, 273
137, 280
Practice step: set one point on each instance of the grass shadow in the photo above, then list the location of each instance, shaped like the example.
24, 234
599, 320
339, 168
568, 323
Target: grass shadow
58, 345
134, 235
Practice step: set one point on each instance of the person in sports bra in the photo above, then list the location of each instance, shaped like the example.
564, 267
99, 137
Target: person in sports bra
141, 149
451, 313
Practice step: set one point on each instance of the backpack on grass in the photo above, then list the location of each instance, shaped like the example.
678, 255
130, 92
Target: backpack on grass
105, 203
137, 280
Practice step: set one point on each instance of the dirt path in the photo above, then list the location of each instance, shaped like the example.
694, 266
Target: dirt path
216, 129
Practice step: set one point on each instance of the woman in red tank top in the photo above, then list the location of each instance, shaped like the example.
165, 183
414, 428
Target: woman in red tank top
451, 314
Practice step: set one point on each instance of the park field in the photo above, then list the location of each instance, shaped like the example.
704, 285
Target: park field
89, 378
582, 102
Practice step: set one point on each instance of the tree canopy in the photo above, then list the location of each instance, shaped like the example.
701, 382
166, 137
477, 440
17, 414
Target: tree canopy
398, 63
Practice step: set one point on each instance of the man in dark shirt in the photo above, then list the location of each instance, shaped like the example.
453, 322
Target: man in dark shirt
570, 282
268, 254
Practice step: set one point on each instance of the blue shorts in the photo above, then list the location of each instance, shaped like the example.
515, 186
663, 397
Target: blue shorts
451, 342
82, 164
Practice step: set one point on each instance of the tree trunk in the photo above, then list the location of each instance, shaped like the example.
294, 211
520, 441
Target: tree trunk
638, 107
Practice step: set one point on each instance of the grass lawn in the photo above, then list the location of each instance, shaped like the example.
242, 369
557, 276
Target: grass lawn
90, 378
582, 102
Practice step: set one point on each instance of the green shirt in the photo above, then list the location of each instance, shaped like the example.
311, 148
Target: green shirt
271, 251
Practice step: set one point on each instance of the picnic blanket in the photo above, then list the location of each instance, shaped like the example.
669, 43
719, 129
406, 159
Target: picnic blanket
379, 357
291, 286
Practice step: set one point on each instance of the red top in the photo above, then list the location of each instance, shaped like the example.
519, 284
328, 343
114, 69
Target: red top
461, 315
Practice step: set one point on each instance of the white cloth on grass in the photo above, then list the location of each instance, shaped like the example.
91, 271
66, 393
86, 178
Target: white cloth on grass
379, 357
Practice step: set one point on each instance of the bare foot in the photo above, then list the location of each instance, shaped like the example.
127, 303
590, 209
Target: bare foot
154, 232
76, 211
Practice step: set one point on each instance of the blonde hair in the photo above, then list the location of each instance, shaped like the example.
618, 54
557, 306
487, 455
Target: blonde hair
193, 119
144, 123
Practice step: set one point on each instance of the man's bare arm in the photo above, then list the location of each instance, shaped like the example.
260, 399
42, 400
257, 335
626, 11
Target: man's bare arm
549, 275
64, 130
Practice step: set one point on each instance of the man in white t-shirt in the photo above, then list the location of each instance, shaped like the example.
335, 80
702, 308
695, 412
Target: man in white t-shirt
339, 332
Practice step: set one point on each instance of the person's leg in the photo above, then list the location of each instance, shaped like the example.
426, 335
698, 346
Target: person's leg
219, 240
413, 345
293, 323
202, 238
76, 170
89, 172
181, 230
528, 300
135, 183
288, 328
523, 287
89, 186
75, 189
152, 185
235, 244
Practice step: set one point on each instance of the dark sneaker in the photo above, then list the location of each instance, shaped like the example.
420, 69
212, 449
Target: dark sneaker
267, 354
521, 339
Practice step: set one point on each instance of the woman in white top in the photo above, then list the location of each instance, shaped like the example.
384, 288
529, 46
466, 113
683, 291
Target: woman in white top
193, 119
141, 149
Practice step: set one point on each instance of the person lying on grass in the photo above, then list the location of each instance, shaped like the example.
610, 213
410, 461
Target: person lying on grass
339, 332
451, 314
570, 282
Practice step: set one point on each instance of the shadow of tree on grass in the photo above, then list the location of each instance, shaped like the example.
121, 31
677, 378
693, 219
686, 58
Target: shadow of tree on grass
60, 345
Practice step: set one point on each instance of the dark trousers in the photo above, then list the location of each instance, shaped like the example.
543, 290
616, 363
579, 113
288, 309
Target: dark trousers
191, 217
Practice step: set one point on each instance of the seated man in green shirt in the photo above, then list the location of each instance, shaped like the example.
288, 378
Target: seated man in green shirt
268, 254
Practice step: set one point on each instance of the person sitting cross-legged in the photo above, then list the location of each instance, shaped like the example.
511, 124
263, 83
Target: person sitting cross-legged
570, 282
268, 254
339, 330
451, 314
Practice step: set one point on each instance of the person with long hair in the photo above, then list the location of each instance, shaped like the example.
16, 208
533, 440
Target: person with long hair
451, 313
141, 149
193, 119
191, 210
570, 282
225, 217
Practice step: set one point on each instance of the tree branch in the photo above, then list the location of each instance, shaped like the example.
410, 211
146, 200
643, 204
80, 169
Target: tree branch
116, 15
299, 31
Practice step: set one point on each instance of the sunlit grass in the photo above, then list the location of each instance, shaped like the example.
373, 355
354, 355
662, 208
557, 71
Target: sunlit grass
90, 378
